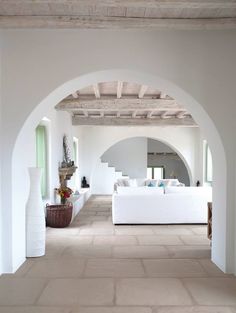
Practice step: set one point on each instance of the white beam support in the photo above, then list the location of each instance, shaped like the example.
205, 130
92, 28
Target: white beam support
142, 91
119, 89
96, 91
75, 95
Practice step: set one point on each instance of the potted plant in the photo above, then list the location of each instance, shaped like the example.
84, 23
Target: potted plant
65, 193
59, 215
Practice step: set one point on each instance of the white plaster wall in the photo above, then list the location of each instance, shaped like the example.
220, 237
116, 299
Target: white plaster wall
94, 141
35, 63
58, 125
128, 156
157, 146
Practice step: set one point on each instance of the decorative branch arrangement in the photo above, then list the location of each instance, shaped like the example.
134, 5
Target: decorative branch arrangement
67, 162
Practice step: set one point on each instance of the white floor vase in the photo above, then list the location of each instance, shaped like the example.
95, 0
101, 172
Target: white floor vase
35, 217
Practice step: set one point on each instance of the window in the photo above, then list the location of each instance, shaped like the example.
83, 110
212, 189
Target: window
155, 172
41, 156
208, 164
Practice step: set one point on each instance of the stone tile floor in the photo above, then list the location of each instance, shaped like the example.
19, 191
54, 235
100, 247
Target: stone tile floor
96, 267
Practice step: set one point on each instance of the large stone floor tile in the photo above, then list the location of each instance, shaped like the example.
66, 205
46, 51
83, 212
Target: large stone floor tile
96, 231
151, 291
57, 268
173, 268
212, 291
140, 252
114, 268
171, 230
159, 240
34, 309
200, 230
113, 310
189, 252
115, 240
67, 292
90, 251
70, 241
212, 269
20, 291
72, 230
193, 309
133, 230
195, 240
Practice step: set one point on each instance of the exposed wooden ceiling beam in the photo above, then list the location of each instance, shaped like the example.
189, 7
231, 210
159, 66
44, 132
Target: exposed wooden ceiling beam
142, 91
134, 113
162, 95
119, 89
75, 95
113, 121
113, 104
96, 91
103, 22
149, 114
165, 115
178, 4
180, 115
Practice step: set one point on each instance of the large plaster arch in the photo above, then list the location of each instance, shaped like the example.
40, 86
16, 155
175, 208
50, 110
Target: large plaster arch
172, 145
222, 250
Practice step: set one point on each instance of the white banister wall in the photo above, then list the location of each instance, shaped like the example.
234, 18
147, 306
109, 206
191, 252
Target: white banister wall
128, 156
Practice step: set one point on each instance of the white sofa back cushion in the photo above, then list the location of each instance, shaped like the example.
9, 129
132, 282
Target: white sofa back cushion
205, 191
123, 182
140, 190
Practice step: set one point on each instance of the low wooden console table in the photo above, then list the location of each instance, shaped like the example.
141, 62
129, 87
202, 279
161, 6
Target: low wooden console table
209, 223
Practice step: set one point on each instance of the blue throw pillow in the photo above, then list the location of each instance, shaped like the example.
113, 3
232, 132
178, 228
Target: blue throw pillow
161, 185
151, 185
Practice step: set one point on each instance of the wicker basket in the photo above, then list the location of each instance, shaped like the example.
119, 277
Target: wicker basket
59, 215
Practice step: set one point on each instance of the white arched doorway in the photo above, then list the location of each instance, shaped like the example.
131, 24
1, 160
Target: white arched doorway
222, 245
170, 142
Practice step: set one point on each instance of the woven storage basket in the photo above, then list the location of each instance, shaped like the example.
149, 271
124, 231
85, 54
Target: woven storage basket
59, 215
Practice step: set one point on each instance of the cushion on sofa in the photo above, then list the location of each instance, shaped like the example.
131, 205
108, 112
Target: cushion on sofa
132, 183
168, 182
139, 190
124, 182
154, 182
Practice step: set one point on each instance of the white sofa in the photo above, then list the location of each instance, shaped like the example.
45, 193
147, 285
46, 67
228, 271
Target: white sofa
158, 205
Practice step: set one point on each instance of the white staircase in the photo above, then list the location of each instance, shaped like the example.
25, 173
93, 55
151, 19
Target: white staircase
104, 178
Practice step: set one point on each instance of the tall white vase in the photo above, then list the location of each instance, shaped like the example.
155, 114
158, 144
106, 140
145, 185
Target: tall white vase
35, 217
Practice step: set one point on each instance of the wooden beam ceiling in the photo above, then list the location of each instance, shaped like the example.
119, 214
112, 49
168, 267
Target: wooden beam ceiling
113, 121
99, 22
113, 104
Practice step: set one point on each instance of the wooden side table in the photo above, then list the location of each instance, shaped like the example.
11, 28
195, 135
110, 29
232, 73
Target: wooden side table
209, 224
